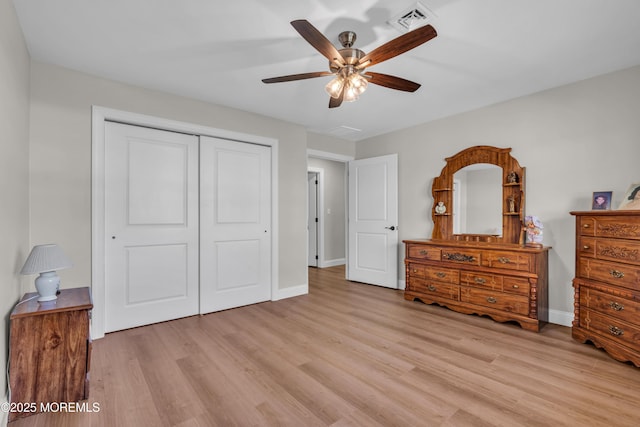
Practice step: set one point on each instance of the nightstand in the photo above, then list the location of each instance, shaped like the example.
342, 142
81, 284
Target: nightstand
50, 350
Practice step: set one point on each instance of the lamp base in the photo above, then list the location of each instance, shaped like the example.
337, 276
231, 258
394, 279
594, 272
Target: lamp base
47, 285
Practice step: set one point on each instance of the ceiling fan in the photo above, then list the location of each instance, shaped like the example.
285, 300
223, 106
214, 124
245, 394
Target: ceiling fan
348, 64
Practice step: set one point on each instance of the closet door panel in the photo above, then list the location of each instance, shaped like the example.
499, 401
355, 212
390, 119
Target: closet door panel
235, 224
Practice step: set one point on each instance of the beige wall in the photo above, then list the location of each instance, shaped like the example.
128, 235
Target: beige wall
331, 144
60, 140
573, 140
14, 172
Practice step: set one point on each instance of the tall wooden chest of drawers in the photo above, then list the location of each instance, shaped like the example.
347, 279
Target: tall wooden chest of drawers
505, 282
607, 282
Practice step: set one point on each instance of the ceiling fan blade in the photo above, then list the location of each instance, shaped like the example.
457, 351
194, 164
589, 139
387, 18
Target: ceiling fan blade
316, 39
293, 77
336, 102
398, 45
392, 82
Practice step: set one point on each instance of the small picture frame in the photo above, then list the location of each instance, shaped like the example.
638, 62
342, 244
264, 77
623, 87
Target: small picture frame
631, 199
601, 200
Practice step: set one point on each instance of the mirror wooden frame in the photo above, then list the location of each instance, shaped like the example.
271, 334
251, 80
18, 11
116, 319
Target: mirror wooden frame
513, 195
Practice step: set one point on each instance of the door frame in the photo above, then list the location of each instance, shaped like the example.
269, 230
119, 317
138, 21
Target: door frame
99, 115
336, 158
319, 172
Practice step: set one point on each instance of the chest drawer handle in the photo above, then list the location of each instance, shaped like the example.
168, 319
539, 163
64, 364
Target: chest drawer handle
492, 300
431, 288
617, 274
585, 225
440, 274
614, 330
586, 247
616, 306
516, 287
504, 260
423, 252
480, 280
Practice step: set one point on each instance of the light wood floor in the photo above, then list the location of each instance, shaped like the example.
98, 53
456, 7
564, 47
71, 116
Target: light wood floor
350, 354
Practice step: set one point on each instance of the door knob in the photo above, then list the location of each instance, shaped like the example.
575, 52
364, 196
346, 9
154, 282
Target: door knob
391, 228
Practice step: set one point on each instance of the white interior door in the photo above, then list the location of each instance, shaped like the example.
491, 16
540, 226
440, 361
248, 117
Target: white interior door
151, 226
373, 221
235, 224
313, 217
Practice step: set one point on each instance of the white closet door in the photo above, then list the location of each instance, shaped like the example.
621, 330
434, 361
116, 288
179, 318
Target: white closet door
235, 224
151, 226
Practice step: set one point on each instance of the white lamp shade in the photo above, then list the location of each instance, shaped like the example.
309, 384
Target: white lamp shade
45, 258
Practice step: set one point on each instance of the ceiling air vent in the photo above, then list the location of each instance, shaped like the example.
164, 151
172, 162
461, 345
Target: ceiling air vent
343, 131
412, 18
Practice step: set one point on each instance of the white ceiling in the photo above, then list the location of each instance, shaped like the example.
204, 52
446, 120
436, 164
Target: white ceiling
218, 51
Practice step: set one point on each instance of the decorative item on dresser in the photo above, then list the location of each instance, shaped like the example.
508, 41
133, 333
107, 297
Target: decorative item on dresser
607, 282
475, 271
50, 351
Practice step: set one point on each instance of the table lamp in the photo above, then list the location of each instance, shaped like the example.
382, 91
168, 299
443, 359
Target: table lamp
46, 259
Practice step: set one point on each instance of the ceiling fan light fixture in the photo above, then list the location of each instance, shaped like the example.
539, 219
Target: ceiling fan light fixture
334, 87
350, 94
358, 82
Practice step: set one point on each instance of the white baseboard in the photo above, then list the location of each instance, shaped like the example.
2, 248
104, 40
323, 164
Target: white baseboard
291, 291
558, 317
4, 415
333, 262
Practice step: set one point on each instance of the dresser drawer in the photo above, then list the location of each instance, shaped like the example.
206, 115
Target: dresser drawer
434, 289
481, 280
516, 285
627, 251
507, 260
611, 305
461, 256
609, 272
497, 300
610, 226
611, 327
438, 274
497, 282
422, 252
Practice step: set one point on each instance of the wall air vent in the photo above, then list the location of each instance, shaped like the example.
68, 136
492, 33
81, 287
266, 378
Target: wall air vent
412, 18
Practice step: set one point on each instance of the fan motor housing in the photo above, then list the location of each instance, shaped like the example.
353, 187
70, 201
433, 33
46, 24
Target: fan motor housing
351, 57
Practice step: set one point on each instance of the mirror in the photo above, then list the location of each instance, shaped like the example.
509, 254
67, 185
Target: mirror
477, 200
479, 197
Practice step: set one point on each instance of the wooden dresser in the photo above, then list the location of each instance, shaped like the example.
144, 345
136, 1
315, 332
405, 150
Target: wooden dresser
505, 282
50, 351
607, 282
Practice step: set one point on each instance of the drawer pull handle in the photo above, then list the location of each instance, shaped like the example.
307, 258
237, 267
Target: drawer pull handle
586, 247
504, 260
617, 274
431, 288
480, 280
415, 271
616, 306
423, 252
492, 300
585, 226
516, 287
441, 275
614, 330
